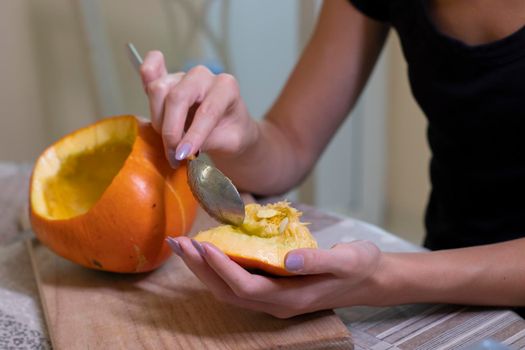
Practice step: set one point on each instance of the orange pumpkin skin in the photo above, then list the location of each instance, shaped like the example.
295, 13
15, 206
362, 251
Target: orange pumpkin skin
254, 264
125, 229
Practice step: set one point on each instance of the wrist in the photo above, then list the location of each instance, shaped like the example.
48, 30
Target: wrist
384, 284
253, 136
407, 278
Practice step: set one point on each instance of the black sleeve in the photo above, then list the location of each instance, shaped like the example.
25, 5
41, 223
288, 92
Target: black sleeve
376, 9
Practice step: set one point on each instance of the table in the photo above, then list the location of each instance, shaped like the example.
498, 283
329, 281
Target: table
402, 327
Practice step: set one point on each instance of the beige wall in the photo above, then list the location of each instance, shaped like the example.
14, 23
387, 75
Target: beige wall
47, 89
21, 119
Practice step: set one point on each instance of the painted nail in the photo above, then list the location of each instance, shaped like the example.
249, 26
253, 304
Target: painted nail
183, 151
172, 158
294, 262
199, 247
175, 246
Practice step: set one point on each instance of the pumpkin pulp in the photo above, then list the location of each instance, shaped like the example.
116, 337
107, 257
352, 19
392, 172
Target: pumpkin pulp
82, 179
78, 177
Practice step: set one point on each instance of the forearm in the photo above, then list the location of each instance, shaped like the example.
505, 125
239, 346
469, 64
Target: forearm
317, 97
484, 275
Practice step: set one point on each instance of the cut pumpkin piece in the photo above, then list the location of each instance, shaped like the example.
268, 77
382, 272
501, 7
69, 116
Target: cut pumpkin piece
268, 233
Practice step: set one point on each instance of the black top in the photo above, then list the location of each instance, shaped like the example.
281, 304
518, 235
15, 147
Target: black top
474, 99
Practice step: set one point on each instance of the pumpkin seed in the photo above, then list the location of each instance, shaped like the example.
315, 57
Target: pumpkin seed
283, 225
266, 213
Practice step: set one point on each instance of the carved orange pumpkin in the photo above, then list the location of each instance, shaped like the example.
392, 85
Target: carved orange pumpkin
106, 198
268, 233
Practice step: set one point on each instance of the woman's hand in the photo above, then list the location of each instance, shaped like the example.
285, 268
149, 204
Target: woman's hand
342, 276
197, 110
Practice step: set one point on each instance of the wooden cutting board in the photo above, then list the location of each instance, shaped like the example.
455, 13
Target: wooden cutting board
165, 309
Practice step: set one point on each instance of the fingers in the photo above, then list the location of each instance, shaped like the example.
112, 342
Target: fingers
242, 283
193, 88
214, 94
282, 297
342, 260
199, 267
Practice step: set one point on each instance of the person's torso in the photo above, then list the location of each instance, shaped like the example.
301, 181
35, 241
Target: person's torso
474, 98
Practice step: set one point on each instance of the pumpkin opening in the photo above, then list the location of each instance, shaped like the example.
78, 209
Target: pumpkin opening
71, 176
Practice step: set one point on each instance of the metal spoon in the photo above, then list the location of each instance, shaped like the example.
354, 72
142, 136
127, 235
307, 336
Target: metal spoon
215, 192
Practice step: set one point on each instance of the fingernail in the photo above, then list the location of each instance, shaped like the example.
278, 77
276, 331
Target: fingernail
199, 247
172, 158
294, 262
183, 151
175, 246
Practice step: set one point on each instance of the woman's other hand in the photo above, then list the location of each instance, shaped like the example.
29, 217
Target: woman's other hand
342, 276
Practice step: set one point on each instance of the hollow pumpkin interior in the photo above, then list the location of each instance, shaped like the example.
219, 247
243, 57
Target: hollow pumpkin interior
71, 175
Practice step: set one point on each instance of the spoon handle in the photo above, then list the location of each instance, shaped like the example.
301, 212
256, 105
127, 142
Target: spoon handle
134, 56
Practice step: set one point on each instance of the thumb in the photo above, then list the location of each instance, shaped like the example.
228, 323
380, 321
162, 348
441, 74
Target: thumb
342, 259
153, 68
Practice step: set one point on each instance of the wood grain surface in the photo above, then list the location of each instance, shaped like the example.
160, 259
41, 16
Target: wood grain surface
165, 309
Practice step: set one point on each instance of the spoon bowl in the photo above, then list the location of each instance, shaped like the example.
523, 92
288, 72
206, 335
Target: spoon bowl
215, 192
